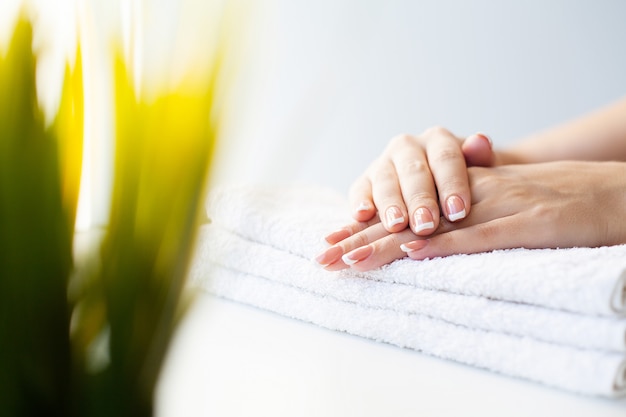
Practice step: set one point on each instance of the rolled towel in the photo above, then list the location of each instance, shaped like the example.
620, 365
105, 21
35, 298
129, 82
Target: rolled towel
294, 218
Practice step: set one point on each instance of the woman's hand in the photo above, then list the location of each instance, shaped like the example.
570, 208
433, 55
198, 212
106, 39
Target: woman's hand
415, 176
549, 205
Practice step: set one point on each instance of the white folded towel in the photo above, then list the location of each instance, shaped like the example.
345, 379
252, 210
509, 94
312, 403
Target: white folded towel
293, 219
582, 371
258, 248
220, 247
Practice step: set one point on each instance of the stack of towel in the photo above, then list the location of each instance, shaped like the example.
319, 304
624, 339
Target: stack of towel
552, 316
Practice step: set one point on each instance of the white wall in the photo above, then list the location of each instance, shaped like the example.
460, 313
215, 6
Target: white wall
324, 84
328, 82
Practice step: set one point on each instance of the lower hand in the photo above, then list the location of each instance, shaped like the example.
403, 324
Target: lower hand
550, 205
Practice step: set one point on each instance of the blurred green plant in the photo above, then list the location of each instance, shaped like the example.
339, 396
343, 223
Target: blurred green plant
97, 351
35, 245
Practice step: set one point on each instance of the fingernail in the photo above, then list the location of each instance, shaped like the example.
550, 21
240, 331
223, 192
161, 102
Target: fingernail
482, 135
338, 236
423, 220
329, 256
393, 216
456, 208
357, 255
363, 206
414, 245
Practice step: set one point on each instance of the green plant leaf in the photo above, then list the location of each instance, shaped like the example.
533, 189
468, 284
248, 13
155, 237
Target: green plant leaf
35, 246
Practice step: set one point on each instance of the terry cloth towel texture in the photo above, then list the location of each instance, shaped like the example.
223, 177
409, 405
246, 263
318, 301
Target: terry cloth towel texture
551, 316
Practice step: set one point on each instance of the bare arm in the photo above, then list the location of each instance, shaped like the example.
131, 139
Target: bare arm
597, 136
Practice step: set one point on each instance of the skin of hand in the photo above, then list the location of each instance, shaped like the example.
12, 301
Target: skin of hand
415, 176
546, 205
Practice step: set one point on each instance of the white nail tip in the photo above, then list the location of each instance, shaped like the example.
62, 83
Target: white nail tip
425, 226
405, 248
457, 216
348, 261
395, 221
318, 265
363, 207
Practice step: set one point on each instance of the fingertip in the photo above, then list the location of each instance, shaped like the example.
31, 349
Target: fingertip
418, 250
357, 255
329, 256
395, 220
478, 150
424, 223
484, 137
363, 211
414, 246
456, 208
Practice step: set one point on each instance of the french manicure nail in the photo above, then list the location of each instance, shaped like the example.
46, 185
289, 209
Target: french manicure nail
393, 216
363, 206
423, 220
329, 256
456, 208
357, 255
414, 245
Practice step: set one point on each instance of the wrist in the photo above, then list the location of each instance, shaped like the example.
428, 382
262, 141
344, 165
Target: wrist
502, 157
610, 194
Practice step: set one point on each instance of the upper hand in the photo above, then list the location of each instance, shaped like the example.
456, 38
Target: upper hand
415, 176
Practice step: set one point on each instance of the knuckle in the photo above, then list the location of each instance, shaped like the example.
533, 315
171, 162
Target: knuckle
452, 185
413, 167
550, 217
446, 155
420, 199
478, 177
383, 177
436, 131
488, 233
382, 167
402, 140
357, 240
391, 241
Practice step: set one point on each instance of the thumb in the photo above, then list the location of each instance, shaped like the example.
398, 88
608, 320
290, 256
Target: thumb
478, 150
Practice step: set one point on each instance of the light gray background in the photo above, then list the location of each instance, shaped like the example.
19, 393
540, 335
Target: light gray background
325, 84
322, 85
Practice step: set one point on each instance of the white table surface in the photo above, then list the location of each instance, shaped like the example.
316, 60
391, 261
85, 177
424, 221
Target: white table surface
230, 359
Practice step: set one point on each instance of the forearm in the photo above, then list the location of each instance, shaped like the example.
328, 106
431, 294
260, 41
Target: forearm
598, 136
